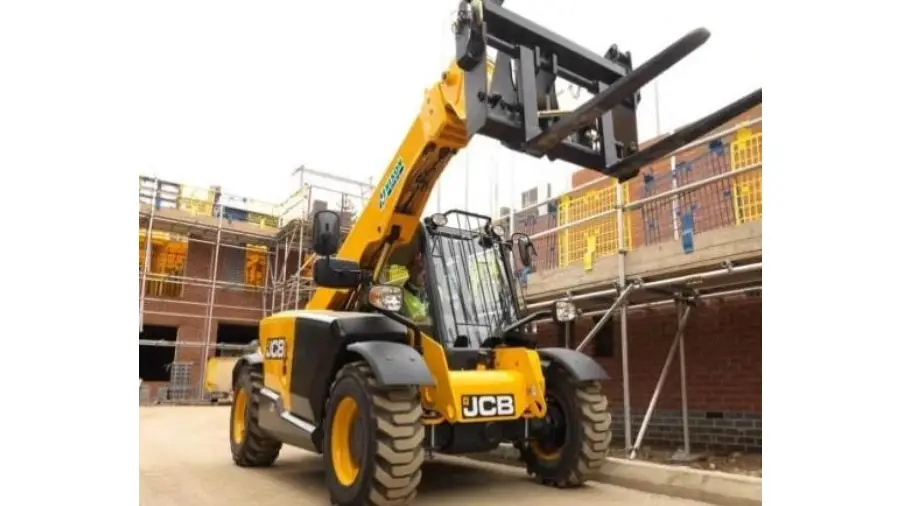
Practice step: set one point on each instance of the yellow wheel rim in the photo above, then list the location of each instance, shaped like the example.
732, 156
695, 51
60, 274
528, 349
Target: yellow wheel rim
238, 415
550, 451
544, 453
346, 469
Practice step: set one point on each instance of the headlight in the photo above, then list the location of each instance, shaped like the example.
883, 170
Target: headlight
439, 219
386, 297
564, 311
498, 230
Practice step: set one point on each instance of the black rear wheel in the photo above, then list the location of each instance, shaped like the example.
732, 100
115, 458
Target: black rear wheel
573, 441
250, 446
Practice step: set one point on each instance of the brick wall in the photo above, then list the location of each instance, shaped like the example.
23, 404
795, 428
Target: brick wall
711, 206
191, 318
723, 350
152, 391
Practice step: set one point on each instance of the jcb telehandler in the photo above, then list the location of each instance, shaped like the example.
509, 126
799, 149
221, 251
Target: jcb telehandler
357, 380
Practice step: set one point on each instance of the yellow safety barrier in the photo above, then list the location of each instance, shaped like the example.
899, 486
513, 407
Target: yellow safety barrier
589, 254
596, 237
197, 207
263, 220
255, 266
156, 237
746, 195
157, 240
167, 258
196, 201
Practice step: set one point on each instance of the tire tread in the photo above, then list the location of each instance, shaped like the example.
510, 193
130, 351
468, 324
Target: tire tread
594, 421
259, 449
398, 439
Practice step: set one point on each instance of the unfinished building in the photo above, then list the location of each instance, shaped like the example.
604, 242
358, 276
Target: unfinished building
666, 268
212, 265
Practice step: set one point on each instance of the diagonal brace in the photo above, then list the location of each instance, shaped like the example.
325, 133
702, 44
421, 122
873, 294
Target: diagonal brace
623, 297
679, 336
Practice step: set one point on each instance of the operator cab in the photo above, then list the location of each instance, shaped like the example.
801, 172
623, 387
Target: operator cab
461, 271
453, 281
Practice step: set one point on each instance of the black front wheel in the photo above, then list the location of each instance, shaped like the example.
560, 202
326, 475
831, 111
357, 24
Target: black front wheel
373, 440
573, 440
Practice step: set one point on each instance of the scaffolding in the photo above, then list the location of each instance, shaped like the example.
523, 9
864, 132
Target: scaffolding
291, 274
717, 188
165, 219
258, 260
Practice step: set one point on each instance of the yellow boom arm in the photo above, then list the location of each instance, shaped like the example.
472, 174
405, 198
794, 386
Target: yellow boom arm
436, 135
514, 100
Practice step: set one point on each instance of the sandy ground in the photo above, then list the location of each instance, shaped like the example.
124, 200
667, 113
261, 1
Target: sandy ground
184, 459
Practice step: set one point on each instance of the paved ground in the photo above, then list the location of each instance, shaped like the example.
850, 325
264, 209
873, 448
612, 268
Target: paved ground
184, 459
747, 464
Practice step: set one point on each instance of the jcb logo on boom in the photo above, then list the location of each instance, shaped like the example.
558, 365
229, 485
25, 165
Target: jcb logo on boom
477, 406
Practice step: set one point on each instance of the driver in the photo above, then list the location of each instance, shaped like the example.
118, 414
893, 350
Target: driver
415, 303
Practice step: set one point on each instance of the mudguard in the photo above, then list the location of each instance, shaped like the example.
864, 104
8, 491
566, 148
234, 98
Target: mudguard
580, 366
254, 358
394, 363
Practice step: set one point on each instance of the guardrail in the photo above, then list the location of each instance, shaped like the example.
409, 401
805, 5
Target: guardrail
710, 184
207, 202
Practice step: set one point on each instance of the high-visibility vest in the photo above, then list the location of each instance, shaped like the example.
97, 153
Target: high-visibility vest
414, 307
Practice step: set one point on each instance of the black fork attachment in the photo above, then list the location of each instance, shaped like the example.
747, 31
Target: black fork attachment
518, 106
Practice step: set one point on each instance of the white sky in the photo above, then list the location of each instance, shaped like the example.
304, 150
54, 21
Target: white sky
241, 94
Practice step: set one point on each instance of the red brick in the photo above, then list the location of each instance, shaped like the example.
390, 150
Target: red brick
191, 319
723, 351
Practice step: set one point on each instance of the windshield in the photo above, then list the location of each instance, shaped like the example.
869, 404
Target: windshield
471, 281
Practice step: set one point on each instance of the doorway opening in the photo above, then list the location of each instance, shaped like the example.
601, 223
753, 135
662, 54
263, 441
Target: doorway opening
154, 359
232, 333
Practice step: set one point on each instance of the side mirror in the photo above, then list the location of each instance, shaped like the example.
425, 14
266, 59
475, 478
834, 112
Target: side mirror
336, 273
326, 233
525, 250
